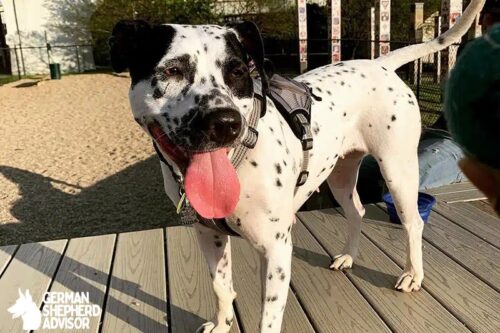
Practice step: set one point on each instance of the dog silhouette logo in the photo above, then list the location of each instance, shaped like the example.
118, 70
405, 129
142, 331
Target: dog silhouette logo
27, 310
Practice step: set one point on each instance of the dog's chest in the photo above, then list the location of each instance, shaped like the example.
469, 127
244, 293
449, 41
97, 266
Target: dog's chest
270, 171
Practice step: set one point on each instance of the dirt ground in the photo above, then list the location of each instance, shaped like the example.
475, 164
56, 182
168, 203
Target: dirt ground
74, 163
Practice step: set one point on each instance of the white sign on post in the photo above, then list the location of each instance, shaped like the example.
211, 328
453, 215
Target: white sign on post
385, 26
336, 31
302, 14
372, 32
451, 10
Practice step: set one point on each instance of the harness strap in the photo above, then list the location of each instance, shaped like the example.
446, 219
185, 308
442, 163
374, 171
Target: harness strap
219, 225
252, 135
307, 145
249, 142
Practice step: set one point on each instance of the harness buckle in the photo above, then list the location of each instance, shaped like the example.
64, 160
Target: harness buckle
302, 178
305, 129
307, 143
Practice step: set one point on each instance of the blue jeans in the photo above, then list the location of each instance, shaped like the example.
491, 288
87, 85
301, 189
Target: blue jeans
438, 165
438, 162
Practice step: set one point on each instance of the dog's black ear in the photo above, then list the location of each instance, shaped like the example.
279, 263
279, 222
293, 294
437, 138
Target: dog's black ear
251, 39
128, 39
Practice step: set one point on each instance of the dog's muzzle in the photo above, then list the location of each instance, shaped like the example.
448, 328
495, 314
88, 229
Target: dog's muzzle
221, 126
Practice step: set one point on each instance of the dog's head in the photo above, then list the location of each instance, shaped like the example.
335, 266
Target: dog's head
190, 83
191, 90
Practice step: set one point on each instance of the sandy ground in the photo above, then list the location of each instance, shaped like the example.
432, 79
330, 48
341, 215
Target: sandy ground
73, 162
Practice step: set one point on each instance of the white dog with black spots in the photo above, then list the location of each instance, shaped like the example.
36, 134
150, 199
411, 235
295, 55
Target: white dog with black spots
192, 92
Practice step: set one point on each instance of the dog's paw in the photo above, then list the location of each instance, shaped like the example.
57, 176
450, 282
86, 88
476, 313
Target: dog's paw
341, 262
408, 283
206, 328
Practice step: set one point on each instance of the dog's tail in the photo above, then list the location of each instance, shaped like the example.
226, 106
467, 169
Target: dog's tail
402, 56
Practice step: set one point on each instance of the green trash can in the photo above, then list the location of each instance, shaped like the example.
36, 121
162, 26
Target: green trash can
55, 71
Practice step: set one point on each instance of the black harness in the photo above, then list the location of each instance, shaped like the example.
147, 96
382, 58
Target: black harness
293, 100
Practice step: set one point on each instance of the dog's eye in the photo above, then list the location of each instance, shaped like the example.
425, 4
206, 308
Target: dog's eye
173, 71
238, 71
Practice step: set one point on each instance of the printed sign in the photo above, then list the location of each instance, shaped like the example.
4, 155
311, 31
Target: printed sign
385, 26
451, 10
336, 31
302, 14
372, 32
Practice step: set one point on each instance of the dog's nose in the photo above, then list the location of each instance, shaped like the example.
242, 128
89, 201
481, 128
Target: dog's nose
223, 125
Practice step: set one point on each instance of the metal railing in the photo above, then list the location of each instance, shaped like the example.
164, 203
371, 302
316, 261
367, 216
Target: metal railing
18, 61
425, 76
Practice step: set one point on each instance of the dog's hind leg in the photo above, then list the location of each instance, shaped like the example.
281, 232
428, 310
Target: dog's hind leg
342, 182
217, 250
400, 172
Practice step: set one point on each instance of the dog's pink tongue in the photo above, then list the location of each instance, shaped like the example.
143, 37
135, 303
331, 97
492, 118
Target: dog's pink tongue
212, 185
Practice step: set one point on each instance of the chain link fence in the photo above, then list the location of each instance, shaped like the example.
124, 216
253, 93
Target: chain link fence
20, 62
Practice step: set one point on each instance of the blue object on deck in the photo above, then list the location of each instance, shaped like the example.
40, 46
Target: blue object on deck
425, 204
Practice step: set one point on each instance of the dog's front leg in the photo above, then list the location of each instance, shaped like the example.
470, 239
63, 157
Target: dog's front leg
276, 268
217, 250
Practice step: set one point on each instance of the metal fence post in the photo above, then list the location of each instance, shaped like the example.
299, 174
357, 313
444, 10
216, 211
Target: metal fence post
419, 77
17, 63
19, 36
437, 56
78, 59
47, 46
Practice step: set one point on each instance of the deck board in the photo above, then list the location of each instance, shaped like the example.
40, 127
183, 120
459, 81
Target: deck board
472, 301
148, 278
247, 283
85, 268
330, 299
137, 295
478, 256
375, 274
473, 219
483, 205
6, 253
31, 269
452, 188
463, 196
192, 299
460, 192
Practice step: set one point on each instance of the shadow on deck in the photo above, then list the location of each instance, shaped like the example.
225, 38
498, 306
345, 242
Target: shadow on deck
132, 199
144, 280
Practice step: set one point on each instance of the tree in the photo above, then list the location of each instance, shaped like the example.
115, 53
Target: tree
108, 12
192, 12
275, 18
71, 18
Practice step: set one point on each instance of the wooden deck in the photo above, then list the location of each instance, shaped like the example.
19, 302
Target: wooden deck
157, 280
